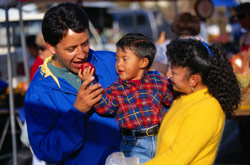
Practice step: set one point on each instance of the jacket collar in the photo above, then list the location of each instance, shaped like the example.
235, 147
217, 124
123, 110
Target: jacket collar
45, 71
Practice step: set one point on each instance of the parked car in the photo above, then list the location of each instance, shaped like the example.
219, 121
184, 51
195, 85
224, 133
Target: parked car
113, 23
147, 22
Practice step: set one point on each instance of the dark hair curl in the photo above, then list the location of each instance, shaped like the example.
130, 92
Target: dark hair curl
215, 70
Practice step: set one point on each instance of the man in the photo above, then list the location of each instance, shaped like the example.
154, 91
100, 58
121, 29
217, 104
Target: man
60, 129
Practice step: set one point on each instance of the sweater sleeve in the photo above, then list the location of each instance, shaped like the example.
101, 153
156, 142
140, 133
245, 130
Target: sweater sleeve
201, 126
53, 136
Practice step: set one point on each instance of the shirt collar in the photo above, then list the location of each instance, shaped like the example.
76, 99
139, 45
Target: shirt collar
145, 78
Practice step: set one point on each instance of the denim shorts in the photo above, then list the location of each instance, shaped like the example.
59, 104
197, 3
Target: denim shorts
140, 147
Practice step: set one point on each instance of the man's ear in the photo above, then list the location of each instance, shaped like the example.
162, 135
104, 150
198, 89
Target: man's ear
51, 48
144, 63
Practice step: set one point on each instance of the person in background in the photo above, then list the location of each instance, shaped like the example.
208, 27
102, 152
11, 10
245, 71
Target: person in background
191, 131
31, 45
138, 99
185, 25
243, 16
32, 48
242, 68
43, 54
61, 127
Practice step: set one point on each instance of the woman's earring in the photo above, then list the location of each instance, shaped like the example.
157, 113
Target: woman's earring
192, 89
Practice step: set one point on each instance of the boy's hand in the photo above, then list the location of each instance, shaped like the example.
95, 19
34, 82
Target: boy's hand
86, 73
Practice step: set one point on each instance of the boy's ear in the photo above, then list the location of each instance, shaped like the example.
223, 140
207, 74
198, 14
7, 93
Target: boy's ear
144, 63
51, 48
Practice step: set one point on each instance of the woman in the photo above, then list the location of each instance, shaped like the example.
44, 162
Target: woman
191, 130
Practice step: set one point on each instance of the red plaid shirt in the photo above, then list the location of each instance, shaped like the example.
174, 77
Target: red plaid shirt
137, 106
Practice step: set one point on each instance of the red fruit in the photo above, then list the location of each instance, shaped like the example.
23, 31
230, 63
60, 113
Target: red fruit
86, 65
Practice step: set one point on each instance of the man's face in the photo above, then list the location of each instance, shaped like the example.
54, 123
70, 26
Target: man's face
71, 51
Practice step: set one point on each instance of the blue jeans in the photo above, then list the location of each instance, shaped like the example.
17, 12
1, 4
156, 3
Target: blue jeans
140, 147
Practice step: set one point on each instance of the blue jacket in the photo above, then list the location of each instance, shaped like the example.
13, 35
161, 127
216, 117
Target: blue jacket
57, 131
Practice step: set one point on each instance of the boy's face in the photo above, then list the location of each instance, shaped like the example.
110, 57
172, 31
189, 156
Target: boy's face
128, 65
71, 51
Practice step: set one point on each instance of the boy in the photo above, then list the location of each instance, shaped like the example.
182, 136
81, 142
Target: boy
138, 99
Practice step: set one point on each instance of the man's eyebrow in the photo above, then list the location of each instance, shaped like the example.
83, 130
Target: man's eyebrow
86, 41
70, 47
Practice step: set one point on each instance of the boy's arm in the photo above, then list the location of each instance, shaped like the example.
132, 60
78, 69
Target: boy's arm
108, 103
168, 97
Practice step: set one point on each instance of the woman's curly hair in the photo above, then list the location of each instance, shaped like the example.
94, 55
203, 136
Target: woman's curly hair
215, 70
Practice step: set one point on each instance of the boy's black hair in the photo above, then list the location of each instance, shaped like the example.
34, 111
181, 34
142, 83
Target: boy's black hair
215, 70
140, 45
59, 19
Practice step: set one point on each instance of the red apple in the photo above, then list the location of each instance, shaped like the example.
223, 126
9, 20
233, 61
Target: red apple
86, 65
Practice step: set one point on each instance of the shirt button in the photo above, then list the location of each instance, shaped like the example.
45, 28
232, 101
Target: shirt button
77, 80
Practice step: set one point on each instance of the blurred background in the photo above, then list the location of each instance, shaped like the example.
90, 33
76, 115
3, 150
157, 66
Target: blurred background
112, 19
20, 22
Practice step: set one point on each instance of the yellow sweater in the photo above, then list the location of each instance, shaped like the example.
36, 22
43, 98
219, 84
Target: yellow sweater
191, 131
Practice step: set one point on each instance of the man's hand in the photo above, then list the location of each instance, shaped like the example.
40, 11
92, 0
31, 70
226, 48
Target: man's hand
87, 96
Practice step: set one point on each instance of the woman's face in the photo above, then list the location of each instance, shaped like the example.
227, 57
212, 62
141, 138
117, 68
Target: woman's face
180, 79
